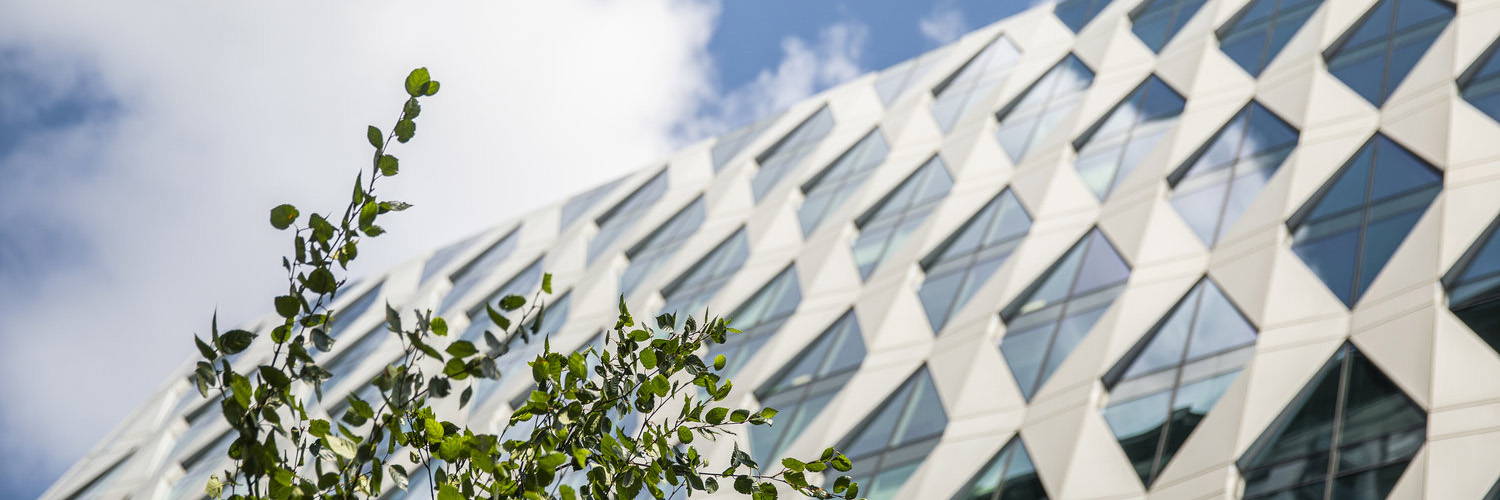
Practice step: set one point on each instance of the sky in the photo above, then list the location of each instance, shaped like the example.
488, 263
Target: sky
141, 146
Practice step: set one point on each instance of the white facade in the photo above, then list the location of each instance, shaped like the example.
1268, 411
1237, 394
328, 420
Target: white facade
1069, 408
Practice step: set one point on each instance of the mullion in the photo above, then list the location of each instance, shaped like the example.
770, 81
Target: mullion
1338, 419
1062, 314
1187, 345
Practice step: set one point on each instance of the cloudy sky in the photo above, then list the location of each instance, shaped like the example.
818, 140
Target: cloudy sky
141, 144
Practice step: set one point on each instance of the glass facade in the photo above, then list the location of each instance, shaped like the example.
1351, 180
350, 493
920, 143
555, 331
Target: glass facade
1348, 231
1051, 317
1037, 112
1378, 52
581, 203
1170, 380
967, 88
95, 489
469, 276
781, 158
896, 80
1008, 476
1212, 189
889, 445
1254, 36
886, 226
625, 214
689, 294
1110, 150
523, 284
1348, 435
1077, 13
1155, 22
729, 145
1480, 85
758, 319
958, 267
828, 190
347, 315
1474, 287
806, 385
445, 256
654, 250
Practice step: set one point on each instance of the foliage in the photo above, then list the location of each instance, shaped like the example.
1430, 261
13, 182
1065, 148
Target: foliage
566, 441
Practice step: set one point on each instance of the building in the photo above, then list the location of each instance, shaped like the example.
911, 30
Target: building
1105, 249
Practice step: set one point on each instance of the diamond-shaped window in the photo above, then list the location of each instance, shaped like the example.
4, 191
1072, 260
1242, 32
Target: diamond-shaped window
1155, 22
346, 315
806, 385
1170, 380
1077, 13
758, 319
1474, 287
580, 203
889, 445
522, 284
1110, 150
1254, 36
730, 144
652, 251
626, 213
886, 226
958, 267
1008, 476
967, 87
1376, 54
1038, 111
828, 190
1348, 231
1051, 317
779, 160
1350, 433
895, 81
689, 293
1480, 85
1215, 186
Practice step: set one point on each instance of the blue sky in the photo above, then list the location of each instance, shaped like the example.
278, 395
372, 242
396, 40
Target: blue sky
139, 156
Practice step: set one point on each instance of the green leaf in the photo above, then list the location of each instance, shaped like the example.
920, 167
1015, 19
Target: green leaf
405, 129
215, 486
322, 281
434, 429
768, 413
204, 349
241, 389
716, 415
432, 88
415, 80
367, 214
236, 341
462, 349
684, 434
456, 369
389, 166
793, 464
275, 377
283, 216
288, 306
720, 361
495, 316
319, 428
739, 416
743, 484
392, 318
339, 446
449, 492
841, 463
412, 108
552, 460
547, 283
512, 302
648, 358
463, 399
376, 138
440, 327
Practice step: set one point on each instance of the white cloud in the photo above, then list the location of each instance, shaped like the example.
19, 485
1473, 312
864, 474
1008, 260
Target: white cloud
944, 24
226, 109
157, 214
804, 69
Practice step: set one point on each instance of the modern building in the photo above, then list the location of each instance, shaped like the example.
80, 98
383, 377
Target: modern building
1105, 249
